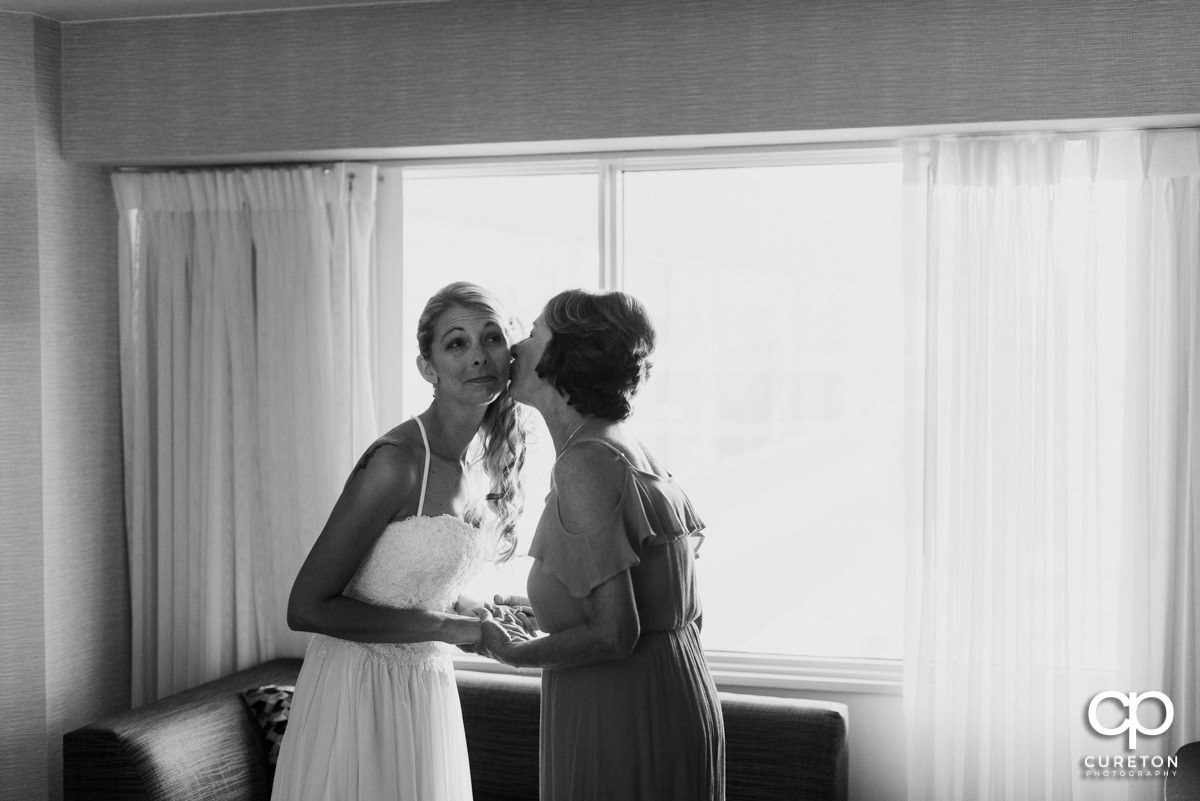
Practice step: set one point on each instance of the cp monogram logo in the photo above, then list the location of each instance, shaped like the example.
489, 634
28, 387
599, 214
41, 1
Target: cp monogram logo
1131, 723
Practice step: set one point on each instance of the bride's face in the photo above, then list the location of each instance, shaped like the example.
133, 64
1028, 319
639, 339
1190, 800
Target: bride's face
526, 355
469, 357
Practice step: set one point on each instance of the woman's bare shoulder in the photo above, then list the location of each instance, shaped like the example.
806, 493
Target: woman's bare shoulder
619, 443
394, 458
589, 478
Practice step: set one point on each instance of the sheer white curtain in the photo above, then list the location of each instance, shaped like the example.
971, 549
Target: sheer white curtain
247, 394
1162, 462
1054, 556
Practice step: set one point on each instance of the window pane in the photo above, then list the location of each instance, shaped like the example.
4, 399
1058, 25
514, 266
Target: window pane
777, 394
525, 237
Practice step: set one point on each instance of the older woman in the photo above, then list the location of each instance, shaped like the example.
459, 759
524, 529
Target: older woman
629, 710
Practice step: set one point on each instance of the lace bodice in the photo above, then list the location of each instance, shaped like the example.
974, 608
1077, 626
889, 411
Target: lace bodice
420, 563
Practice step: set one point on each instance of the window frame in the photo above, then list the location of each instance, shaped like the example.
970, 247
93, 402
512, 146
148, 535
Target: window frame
732, 670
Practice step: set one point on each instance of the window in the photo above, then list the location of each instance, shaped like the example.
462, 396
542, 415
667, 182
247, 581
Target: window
777, 395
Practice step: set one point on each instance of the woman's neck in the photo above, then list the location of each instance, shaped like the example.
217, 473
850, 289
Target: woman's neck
566, 425
452, 429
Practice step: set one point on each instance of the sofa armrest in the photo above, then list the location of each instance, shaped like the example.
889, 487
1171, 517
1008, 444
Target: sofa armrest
784, 748
202, 743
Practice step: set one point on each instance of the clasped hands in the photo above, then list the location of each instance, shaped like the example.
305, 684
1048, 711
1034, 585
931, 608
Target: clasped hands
505, 622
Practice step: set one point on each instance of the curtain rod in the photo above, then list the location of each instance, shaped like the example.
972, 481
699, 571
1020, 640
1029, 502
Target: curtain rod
566, 157
858, 138
327, 167
231, 167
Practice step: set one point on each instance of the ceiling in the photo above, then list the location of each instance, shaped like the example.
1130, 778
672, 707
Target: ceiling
85, 10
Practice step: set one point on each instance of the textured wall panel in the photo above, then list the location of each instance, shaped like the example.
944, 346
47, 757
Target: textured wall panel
22, 633
86, 584
64, 610
382, 76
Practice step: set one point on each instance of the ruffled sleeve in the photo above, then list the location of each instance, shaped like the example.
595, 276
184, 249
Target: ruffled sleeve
651, 511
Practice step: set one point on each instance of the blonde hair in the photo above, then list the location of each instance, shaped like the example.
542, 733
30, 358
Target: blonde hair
503, 429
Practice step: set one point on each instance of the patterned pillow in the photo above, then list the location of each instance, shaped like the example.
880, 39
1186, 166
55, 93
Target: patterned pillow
270, 704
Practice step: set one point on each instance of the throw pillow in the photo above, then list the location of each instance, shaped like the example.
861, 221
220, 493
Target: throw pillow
271, 704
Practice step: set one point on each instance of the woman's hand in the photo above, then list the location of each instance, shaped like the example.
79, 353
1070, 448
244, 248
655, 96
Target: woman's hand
498, 638
515, 609
466, 605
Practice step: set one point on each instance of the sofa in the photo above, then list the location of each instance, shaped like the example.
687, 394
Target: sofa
208, 743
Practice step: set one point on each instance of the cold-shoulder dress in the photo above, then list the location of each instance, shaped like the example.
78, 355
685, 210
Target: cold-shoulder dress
648, 727
381, 721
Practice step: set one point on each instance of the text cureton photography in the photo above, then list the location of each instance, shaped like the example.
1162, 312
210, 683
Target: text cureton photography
1123, 710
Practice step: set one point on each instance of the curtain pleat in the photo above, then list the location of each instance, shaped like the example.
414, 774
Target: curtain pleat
247, 395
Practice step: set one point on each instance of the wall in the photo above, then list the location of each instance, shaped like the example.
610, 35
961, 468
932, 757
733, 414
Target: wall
22, 629
64, 604
377, 77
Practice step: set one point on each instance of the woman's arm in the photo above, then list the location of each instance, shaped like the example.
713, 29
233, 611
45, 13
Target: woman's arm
378, 492
590, 482
609, 633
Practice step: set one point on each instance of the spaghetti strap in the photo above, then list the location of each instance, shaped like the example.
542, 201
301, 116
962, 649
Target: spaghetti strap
608, 445
425, 477
622, 455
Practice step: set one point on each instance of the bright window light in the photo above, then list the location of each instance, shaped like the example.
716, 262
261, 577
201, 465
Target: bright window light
777, 395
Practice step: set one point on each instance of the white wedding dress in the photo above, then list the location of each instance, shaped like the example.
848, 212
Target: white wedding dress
382, 722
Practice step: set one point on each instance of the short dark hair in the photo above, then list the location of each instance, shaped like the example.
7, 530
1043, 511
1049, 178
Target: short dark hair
599, 349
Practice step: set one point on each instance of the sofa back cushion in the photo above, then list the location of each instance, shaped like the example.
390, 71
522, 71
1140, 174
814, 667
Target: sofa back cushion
775, 748
501, 714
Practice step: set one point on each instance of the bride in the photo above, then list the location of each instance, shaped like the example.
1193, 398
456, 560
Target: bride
376, 713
